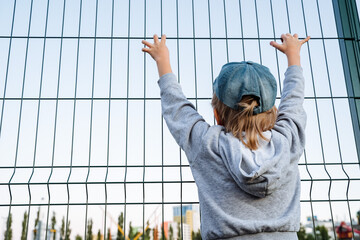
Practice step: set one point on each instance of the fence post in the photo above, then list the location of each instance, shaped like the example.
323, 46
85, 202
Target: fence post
348, 29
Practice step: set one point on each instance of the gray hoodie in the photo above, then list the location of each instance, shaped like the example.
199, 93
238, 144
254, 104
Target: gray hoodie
243, 194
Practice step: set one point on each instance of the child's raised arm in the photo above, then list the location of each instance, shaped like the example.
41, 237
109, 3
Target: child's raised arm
290, 46
160, 53
185, 124
291, 118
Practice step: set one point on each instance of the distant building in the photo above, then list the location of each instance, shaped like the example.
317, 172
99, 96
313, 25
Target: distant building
189, 214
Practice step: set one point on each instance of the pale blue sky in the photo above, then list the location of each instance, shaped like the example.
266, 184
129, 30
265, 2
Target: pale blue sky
145, 139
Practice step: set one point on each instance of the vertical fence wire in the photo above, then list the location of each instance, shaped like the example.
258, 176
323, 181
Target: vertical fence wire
127, 119
317, 115
336, 126
226, 32
56, 119
20, 113
109, 117
73, 120
162, 130
194, 49
305, 156
7, 65
144, 131
37, 116
258, 30
91, 119
274, 39
211, 53
179, 80
242, 30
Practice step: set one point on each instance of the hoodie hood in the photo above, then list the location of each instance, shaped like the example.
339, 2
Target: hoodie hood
254, 171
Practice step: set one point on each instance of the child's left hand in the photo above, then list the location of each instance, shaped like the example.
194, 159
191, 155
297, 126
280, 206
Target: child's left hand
160, 53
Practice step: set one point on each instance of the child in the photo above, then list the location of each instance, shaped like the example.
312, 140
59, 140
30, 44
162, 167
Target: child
245, 167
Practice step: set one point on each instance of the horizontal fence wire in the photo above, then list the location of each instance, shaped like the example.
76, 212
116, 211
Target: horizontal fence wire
143, 176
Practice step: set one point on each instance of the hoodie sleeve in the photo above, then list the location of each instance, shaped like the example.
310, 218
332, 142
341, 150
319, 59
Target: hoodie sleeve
186, 125
291, 120
290, 127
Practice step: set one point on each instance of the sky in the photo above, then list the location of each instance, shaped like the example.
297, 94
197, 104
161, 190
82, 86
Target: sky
60, 131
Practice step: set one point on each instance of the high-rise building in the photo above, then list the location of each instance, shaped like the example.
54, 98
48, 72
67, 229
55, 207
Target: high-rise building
189, 214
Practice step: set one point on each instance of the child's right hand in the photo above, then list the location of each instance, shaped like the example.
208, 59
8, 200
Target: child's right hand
290, 46
160, 53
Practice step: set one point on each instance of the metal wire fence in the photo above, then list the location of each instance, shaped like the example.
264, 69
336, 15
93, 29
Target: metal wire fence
81, 132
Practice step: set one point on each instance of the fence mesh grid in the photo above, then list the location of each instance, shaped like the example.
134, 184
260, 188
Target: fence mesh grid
81, 131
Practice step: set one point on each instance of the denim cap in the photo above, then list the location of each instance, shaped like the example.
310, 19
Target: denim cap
239, 79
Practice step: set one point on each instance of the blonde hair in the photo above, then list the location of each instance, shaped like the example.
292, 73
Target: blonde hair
243, 121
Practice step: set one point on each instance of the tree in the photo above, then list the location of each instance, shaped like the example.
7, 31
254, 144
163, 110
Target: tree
37, 219
323, 232
8, 232
171, 233
63, 234
358, 217
132, 233
196, 235
24, 223
109, 234
301, 233
68, 231
53, 222
179, 232
119, 235
89, 235
62, 229
99, 235
147, 232
309, 236
78, 237
163, 237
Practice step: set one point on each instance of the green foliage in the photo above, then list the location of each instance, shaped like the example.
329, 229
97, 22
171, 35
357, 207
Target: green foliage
53, 222
78, 237
163, 237
358, 217
171, 233
24, 223
108, 237
119, 235
8, 232
195, 235
132, 232
322, 234
36, 222
147, 232
99, 235
179, 232
89, 235
68, 231
131, 235
65, 232
62, 229
310, 237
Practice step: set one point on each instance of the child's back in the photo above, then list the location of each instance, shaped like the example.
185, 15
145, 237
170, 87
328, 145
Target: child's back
243, 193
